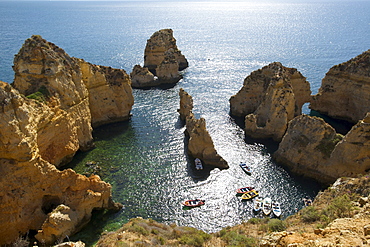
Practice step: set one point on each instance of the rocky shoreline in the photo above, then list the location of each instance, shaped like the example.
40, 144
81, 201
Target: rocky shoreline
55, 101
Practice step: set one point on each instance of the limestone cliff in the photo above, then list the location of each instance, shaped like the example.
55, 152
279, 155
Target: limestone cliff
31, 186
110, 93
158, 44
345, 90
312, 148
64, 97
142, 78
200, 143
186, 104
269, 99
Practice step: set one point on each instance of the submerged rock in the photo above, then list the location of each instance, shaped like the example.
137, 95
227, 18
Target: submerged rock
269, 99
345, 90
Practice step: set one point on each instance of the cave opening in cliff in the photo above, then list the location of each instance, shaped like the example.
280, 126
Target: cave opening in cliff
49, 203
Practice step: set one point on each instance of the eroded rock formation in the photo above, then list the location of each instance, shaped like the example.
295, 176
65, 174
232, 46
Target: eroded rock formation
269, 99
142, 77
158, 44
345, 90
44, 130
312, 148
200, 143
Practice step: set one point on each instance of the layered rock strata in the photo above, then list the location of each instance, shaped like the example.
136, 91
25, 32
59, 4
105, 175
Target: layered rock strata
44, 130
269, 99
345, 90
141, 77
157, 46
200, 143
312, 148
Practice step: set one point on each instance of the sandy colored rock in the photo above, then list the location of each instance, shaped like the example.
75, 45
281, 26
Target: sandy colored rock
312, 148
186, 104
142, 78
156, 47
255, 86
269, 99
167, 70
44, 130
110, 93
345, 90
200, 143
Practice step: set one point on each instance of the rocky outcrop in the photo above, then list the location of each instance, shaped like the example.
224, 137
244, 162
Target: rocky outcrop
200, 143
167, 73
158, 44
312, 148
110, 93
142, 78
44, 130
345, 89
167, 70
306, 147
186, 104
269, 99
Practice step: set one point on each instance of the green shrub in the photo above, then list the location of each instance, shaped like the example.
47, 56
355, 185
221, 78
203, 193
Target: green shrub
276, 225
41, 95
340, 207
254, 221
310, 214
233, 238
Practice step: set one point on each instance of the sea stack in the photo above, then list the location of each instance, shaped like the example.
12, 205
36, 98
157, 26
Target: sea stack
269, 99
200, 143
46, 116
157, 46
345, 90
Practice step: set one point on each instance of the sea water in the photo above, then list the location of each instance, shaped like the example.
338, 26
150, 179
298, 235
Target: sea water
145, 158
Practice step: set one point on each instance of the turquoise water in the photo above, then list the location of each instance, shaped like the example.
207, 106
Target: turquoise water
145, 158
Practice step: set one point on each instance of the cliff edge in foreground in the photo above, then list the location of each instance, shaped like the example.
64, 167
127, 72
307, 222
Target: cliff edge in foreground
46, 116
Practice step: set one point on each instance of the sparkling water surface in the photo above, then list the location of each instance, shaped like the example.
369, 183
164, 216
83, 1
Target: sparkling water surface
145, 158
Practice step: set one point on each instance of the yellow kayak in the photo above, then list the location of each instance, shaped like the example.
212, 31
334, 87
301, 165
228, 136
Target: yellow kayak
249, 195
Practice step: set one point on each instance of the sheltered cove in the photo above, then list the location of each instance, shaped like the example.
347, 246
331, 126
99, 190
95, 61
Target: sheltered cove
50, 130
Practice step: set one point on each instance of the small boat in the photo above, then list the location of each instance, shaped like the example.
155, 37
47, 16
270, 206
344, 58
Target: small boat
198, 164
244, 190
266, 206
257, 206
246, 168
250, 194
276, 209
194, 203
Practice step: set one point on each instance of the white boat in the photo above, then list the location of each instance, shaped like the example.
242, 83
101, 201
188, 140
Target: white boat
276, 209
266, 205
198, 164
246, 168
257, 205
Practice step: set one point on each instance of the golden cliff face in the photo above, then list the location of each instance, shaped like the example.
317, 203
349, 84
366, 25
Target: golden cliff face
345, 89
64, 97
200, 143
269, 99
312, 148
110, 93
158, 44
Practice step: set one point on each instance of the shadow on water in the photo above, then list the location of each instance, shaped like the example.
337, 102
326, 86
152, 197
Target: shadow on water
340, 126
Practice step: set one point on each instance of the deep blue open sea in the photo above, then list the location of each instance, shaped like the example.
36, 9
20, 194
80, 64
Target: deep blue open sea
145, 159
